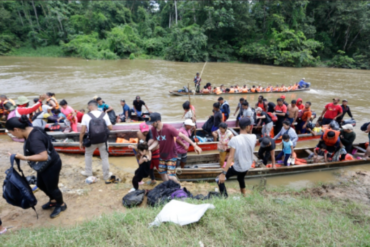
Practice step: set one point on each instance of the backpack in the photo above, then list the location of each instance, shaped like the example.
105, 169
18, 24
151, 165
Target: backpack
112, 117
133, 198
364, 126
179, 194
16, 190
98, 129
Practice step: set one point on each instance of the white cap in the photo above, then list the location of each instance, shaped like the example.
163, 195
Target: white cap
189, 122
347, 127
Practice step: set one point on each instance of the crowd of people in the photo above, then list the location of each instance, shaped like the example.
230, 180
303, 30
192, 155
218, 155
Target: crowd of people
164, 148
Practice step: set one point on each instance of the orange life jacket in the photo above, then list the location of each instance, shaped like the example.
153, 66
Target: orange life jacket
218, 91
245, 90
258, 89
289, 88
232, 90
55, 101
253, 90
330, 142
276, 89
268, 89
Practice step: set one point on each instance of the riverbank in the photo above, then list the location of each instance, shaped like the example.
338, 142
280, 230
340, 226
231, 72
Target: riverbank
325, 215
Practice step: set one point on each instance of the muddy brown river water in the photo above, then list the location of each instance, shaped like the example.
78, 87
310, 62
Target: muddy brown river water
78, 80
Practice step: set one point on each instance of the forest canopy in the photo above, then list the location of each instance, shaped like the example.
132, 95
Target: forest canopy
292, 33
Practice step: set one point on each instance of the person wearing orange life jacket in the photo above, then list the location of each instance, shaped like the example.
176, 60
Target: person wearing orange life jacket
253, 89
260, 103
258, 89
232, 90
237, 89
224, 108
52, 101
329, 144
245, 89
269, 89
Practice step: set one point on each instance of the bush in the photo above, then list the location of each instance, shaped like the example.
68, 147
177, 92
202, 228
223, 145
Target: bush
342, 61
8, 42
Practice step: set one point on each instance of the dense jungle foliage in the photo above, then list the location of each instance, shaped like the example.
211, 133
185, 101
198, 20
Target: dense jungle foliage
276, 32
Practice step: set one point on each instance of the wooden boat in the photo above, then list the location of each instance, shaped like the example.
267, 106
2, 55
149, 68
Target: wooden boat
69, 142
206, 167
176, 93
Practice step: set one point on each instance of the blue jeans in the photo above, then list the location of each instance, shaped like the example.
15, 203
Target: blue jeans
286, 157
291, 120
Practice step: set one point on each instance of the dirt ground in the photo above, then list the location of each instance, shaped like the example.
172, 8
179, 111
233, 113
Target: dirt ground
86, 201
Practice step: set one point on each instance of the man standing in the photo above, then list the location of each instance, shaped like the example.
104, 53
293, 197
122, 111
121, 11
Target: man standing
284, 102
280, 112
247, 113
164, 135
197, 81
96, 125
267, 150
225, 108
331, 112
345, 109
126, 112
240, 109
138, 104
241, 153
292, 112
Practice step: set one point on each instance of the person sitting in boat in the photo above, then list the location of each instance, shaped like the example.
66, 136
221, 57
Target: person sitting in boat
245, 89
182, 145
222, 88
189, 111
267, 150
52, 101
303, 84
253, 89
125, 116
258, 89
237, 89
329, 144
231, 89
304, 117
347, 137
225, 108
22, 107
223, 135
268, 89
6, 106
207, 88
197, 81
102, 106
288, 149
241, 153
247, 113
287, 129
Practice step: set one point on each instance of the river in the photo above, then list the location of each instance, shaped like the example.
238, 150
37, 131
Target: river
78, 80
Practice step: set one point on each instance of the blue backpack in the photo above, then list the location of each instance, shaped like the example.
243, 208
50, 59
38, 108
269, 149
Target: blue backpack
16, 190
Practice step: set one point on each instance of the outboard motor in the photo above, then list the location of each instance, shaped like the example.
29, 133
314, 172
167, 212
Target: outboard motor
349, 121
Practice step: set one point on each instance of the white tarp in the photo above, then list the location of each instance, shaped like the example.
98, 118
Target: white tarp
181, 213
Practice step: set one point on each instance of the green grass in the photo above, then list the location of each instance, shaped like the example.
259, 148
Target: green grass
255, 220
48, 51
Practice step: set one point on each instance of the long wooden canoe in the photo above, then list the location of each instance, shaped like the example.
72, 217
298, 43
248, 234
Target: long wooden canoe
176, 93
206, 167
69, 142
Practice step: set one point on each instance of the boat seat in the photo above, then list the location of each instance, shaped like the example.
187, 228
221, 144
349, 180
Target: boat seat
308, 151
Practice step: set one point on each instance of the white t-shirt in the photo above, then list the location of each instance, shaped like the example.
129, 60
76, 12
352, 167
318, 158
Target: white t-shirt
244, 146
86, 119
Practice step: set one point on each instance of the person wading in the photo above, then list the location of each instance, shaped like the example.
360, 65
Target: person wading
241, 153
331, 112
38, 148
94, 134
164, 135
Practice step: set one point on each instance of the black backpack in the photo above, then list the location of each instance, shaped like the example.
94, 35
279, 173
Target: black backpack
364, 126
98, 129
16, 190
133, 199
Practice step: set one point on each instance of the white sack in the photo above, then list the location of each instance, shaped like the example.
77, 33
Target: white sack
181, 213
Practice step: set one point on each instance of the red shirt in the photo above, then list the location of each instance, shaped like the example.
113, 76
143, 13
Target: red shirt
332, 111
281, 108
79, 116
301, 107
165, 138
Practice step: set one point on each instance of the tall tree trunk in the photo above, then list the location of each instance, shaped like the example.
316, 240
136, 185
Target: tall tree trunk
20, 17
194, 16
169, 22
347, 37
176, 11
353, 40
37, 17
27, 17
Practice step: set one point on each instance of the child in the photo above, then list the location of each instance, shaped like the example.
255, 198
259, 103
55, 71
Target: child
224, 136
145, 156
287, 149
320, 153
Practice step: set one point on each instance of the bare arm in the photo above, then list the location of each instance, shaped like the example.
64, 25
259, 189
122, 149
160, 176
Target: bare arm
236, 110
82, 133
272, 152
196, 148
147, 108
110, 127
178, 140
109, 109
154, 145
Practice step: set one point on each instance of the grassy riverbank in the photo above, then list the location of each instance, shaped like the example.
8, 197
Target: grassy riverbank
47, 51
288, 219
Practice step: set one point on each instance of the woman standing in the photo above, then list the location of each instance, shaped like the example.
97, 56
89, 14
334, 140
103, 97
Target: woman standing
70, 114
38, 148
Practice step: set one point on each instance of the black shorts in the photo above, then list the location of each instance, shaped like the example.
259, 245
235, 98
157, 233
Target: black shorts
143, 171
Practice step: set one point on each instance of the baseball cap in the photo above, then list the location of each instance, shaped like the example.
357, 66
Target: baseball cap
347, 127
282, 96
264, 142
144, 127
189, 122
153, 117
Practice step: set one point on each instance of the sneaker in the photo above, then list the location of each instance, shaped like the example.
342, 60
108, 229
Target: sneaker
49, 205
58, 210
132, 190
84, 173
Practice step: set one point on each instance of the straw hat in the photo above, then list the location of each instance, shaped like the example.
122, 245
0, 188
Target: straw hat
22, 100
